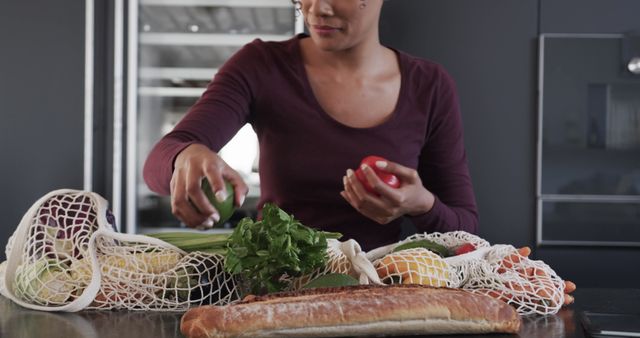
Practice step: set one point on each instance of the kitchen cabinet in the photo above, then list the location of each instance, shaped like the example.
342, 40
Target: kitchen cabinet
589, 141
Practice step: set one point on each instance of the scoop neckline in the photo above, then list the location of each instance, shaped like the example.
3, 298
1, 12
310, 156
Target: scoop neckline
323, 113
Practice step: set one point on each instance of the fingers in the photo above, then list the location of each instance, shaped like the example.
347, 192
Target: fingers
354, 187
240, 188
366, 203
405, 174
192, 208
353, 192
189, 202
380, 187
218, 187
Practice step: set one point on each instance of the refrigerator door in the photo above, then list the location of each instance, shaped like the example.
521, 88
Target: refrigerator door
174, 49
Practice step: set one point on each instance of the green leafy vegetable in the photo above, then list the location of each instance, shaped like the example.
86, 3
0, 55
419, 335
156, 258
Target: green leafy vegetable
44, 281
278, 245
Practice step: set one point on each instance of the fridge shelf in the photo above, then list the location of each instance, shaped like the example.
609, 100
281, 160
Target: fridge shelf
227, 3
590, 198
199, 39
170, 91
169, 73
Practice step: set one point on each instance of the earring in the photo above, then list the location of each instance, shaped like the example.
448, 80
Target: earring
363, 4
297, 4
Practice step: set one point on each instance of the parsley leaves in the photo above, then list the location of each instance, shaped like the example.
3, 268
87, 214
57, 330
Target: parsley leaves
265, 252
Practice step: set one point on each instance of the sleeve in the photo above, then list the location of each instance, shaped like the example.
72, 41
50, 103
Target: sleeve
213, 120
443, 166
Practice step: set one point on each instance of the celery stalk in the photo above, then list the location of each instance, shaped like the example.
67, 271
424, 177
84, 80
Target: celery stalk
191, 241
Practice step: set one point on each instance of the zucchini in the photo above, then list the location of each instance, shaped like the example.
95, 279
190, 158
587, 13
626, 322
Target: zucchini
441, 250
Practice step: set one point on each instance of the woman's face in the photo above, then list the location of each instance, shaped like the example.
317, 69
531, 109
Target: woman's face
337, 25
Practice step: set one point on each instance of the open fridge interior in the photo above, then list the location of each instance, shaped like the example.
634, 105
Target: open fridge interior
181, 45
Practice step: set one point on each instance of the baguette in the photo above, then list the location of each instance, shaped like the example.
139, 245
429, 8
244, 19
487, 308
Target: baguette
361, 310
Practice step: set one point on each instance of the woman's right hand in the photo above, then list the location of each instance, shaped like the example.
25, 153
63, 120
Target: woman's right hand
188, 201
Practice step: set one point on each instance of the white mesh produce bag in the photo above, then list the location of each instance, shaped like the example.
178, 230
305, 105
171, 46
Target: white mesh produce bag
500, 271
345, 258
66, 256
337, 262
531, 286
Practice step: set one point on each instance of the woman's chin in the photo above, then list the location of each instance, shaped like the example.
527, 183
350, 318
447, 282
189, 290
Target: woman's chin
328, 45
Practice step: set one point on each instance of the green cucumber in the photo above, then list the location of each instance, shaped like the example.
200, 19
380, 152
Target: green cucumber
441, 250
225, 208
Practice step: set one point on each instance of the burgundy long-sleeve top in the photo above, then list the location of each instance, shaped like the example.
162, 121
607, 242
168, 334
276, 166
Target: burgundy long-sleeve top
304, 152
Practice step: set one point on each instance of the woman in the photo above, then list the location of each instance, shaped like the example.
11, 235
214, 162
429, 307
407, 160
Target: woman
319, 104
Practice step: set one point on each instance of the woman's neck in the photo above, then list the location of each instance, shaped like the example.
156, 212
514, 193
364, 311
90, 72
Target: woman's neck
366, 55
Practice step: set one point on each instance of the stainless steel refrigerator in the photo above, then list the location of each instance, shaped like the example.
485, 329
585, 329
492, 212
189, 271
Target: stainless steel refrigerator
171, 50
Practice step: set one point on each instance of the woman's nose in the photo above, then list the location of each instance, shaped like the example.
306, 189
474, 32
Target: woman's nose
321, 7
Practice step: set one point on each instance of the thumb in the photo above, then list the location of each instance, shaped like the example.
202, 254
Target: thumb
405, 174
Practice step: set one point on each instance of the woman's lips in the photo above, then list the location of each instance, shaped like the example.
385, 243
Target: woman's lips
324, 30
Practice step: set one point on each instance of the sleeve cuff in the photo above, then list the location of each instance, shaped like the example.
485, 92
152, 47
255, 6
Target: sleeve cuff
427, 220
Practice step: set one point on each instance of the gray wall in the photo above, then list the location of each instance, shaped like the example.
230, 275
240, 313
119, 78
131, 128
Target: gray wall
489, 48
41, 103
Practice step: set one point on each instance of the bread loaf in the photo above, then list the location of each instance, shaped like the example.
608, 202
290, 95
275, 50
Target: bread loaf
354, 311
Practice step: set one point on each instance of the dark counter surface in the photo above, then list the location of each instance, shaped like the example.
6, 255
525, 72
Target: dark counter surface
17, 322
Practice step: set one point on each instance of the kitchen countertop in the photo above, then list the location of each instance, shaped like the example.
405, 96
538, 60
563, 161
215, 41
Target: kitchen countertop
17, 322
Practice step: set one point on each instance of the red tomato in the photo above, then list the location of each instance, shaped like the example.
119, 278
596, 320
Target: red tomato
386, 177
464, 248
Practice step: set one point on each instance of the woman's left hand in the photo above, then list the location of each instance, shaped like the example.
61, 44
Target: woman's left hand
410, 198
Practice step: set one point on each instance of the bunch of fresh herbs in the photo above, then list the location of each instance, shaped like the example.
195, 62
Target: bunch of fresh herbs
278, 245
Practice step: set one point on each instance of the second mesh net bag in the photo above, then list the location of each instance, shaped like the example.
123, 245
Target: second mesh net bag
66, 255
500, 271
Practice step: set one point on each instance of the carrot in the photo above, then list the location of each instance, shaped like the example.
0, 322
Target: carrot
509, 261
535, 274
493, 293
525, 251
528, 272
505, 297
568, 299
519, 287
545, 292
541, 273
569, 286
515, 258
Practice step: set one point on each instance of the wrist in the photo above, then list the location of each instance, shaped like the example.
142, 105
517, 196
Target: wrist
425, 204
184, 154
